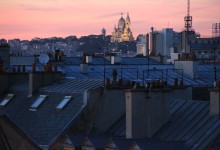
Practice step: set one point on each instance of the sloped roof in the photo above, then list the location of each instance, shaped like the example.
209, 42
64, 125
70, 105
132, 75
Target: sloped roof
134, 72
2, 144
73, 85
45, 125
100, 61
190, 122
160, 145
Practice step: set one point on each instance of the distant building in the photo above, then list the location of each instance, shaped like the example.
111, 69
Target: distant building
142, 45
206, 48
4, 53
163, 42
123, 32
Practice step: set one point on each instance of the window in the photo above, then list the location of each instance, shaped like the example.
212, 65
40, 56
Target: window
38, 102
63, 103
6, 99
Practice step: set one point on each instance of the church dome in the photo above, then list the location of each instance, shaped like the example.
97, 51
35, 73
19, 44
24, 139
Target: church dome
121, 23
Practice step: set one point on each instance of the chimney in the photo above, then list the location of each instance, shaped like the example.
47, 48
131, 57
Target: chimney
88, 59
19, 69
116, 58
188, 65
84, 68
23, 69
147, 110
43, 78
215, 99
84, 65
114, 75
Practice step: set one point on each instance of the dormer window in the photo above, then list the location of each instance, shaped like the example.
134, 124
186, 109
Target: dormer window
64, 102
39, 101
6, 99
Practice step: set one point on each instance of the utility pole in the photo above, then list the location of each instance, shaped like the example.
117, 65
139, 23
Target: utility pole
215, 77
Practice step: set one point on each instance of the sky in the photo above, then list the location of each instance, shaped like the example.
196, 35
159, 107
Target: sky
26, 19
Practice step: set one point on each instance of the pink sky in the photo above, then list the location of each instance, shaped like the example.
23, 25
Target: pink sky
26, 19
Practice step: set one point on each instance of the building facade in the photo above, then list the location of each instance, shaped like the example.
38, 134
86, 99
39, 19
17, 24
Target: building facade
142, 45
123, 32
163, 42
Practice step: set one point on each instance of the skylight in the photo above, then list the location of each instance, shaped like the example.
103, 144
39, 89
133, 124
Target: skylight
6, 99
38, 102
63, 103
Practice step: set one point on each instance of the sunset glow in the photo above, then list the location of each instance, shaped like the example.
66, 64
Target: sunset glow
26, 19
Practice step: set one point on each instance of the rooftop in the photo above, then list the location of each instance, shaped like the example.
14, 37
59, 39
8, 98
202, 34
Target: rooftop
190, 122
42, 125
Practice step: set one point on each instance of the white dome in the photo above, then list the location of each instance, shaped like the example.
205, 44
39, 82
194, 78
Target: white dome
121, 23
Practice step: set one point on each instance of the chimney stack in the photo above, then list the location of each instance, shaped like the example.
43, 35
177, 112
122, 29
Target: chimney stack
88, 59
23, 69
215, 99
147, 110
19, 69
43, 78
188, 64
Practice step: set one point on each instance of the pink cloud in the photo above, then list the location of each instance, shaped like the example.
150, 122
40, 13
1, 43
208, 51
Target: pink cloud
26, 19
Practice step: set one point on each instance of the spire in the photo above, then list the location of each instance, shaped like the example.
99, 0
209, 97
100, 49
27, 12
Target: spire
128, 18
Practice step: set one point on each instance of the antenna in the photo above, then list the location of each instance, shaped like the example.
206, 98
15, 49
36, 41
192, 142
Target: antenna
188, 7
43, 58
188, 18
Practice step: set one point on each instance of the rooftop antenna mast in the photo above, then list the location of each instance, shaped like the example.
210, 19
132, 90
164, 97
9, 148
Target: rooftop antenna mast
188, 18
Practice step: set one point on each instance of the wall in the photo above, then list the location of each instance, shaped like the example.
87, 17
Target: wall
190, 68
22, 60
6, 79
146, 112
4, 53
112, 107
16, 141
38, 79
5, 83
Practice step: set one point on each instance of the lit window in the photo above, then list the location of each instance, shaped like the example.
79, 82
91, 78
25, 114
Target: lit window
39, 101
6, 99
63, 103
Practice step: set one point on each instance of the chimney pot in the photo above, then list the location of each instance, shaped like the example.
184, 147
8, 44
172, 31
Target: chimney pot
215, 101
176, 82
34, 68
181, 83
179, 56
18, 69
50, 67
1, 68
107, 82
23, 69
45, 68
14, 70
55, 68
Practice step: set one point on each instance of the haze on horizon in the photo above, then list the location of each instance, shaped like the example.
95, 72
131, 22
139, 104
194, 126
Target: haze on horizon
26, 19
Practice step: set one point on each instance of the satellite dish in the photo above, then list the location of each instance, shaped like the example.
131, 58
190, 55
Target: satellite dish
43, 58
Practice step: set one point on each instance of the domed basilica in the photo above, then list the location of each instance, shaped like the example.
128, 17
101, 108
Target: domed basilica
123, 32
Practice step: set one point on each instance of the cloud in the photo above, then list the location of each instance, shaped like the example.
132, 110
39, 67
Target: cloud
33, 7
109, 15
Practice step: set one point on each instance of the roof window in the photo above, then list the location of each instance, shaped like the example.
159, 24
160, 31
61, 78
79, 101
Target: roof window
64, 102
6, 99
39, 101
